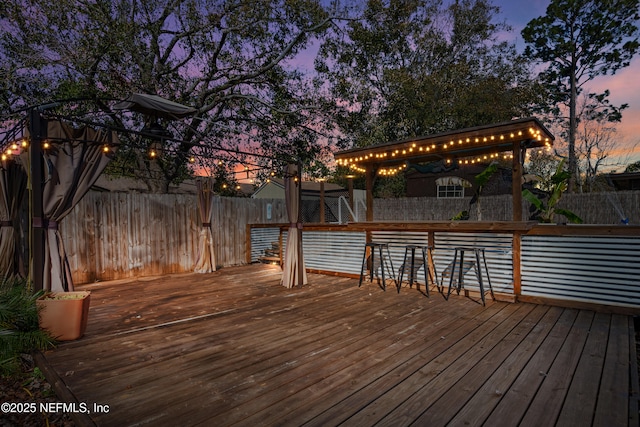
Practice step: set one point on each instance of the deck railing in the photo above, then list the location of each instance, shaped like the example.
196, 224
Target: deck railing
569, 265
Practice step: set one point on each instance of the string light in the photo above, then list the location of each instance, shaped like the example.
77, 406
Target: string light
410, 148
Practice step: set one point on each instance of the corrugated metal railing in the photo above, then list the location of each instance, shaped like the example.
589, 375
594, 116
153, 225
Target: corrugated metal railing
339, 251
498, 253
596, 269
262, 239
584, 268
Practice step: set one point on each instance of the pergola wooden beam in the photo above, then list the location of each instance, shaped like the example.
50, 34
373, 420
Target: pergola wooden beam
464, 146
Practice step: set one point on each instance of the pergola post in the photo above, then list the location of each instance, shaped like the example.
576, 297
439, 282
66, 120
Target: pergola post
516, 181
369, 174
322, 212
38, 132
350, 189
301, 271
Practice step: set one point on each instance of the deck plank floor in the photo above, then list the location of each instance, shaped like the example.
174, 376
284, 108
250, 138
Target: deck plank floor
235, 348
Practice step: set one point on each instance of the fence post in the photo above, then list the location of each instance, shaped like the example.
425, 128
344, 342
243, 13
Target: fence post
516, 260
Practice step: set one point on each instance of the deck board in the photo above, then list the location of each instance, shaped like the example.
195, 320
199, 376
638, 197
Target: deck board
235, 348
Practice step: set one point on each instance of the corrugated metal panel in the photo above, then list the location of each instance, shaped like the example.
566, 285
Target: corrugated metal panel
261, 239
498, 252
582, 268
338, 251
397, 241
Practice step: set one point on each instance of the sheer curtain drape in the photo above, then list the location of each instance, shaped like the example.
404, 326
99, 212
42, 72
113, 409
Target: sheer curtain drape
206, 261
72, 164
293, 270
13, 182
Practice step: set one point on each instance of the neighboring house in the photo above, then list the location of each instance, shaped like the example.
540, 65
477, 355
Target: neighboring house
456, 182
624, 181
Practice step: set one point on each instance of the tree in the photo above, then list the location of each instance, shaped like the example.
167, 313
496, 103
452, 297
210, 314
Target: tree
227, 59
412, 68
579, 40
633, 167
596, 139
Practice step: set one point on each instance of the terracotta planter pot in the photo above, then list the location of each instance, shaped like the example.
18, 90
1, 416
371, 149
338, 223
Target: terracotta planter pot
64, 314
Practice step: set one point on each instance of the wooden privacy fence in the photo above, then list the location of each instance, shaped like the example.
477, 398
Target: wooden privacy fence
593, 208
122, 235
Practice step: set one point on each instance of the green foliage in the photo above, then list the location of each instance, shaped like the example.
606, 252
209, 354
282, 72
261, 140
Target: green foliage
417, 67
230, 60
224, 181
577, 41
19, 331
633, 167
461, 216
390, 187
481, 180
545, 204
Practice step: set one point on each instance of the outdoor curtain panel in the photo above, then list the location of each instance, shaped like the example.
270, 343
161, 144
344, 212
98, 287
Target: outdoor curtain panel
13, 182
206, 261
73, 163
293, 271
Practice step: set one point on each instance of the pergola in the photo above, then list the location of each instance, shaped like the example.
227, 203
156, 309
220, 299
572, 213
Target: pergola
508, 140
63, 162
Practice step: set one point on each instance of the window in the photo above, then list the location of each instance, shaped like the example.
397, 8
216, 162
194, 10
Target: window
451, 187
450, 191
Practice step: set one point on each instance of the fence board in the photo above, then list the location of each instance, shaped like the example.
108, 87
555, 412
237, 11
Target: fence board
593, 208
121, 235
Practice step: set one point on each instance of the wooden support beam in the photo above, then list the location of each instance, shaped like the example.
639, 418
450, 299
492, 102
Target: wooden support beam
516, 181
369, 174
38, 132
322, 213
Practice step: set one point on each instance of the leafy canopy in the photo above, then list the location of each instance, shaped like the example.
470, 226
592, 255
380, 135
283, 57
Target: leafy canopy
227, 59
411, 68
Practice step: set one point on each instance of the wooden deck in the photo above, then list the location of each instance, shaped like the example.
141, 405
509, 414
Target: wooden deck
236, 348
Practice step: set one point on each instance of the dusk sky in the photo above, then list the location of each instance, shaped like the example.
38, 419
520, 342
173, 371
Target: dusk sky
624, 85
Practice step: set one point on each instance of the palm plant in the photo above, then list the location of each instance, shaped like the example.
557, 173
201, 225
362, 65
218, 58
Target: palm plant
19, 330
546, 204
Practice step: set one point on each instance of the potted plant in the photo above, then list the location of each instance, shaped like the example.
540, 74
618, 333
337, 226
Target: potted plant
64, 314
545, 204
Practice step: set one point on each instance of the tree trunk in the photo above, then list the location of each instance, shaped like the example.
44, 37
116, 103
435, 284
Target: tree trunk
573, 125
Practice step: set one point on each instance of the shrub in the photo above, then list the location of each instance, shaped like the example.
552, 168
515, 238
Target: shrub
19, 331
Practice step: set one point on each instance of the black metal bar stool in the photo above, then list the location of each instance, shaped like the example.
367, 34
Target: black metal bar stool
377, 263
412, 267
462, 268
